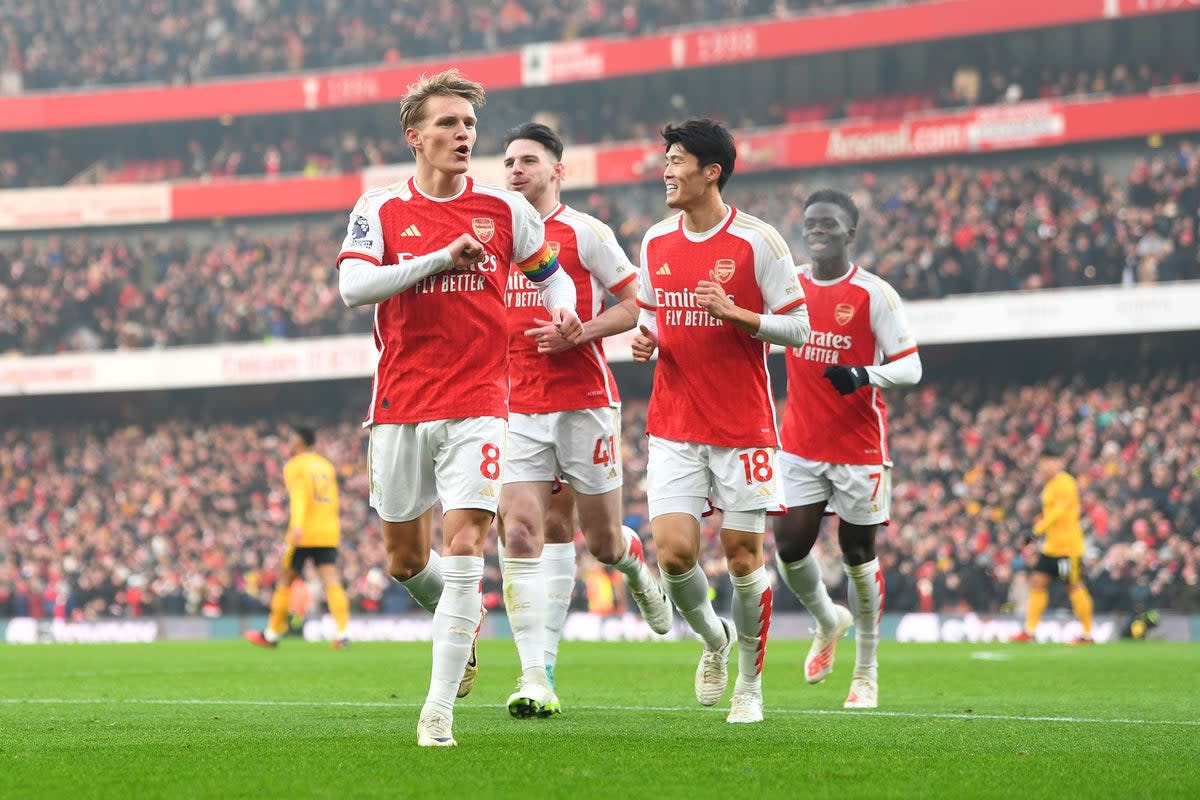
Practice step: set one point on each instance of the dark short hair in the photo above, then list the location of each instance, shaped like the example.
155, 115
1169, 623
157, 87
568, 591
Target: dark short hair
838, 198
1052, 449
537, 132
306, 434
708, 141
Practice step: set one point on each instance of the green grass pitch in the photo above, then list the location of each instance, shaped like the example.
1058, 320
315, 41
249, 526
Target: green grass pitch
227, 720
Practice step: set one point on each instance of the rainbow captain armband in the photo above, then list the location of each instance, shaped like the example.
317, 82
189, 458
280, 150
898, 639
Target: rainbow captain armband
540, 265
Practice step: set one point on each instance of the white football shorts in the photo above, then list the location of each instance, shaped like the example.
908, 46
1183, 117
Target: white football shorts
457, 461
583, 446
732, 479
861, 494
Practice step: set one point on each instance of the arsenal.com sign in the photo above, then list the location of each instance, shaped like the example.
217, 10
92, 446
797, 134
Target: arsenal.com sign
1025, 125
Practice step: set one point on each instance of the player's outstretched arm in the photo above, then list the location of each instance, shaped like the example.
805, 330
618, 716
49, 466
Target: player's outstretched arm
362, 283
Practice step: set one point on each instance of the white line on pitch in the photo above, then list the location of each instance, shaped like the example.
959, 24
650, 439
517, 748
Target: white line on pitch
52, 701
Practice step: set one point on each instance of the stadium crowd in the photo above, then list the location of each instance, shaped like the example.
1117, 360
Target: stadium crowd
316, 144
111, 519
57, 44
933, 232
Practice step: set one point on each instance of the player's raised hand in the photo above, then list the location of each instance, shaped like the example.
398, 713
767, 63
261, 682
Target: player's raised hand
710, 296
568, 324
549, 339
644, 345
466, 252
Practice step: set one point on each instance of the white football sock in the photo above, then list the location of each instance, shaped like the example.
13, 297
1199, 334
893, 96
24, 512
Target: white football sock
525, 600
455, 624
803, 577
558, 571
632, 563
752, 619
689, 592
866, 594
426, 586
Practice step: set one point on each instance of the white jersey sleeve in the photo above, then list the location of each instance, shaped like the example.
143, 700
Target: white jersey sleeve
602, 255
889, 322
645, 296
364, 234
529, 232
775, 271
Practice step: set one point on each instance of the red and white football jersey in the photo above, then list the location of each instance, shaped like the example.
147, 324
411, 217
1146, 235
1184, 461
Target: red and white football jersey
711, 384
857, 320
443, 343
579, 377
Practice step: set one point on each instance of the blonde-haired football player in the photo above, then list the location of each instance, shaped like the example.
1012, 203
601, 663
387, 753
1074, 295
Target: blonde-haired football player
433, 253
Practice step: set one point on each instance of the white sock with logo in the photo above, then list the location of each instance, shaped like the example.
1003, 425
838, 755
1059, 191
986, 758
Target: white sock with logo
525, 600
866, 602
690, 594
803, 577
426, 586
455, 623
752, 619
558, 570
632, 563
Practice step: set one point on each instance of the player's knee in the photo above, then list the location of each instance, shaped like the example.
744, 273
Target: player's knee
855, 553
742, 563
792, 550
607, 549
520, 540
676, 562
405, 564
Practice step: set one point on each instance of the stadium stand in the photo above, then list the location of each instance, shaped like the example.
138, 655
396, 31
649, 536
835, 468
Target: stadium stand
183, 517
933, 231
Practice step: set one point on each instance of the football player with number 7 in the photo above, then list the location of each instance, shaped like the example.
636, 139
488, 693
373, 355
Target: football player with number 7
835, 457
716, 286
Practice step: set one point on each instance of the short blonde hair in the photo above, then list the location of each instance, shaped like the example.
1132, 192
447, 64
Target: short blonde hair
449, 83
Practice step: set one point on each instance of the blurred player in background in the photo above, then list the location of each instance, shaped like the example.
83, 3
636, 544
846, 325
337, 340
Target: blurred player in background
835, 454
314, 534
716, 286
565, 420
434, 253
1061, 553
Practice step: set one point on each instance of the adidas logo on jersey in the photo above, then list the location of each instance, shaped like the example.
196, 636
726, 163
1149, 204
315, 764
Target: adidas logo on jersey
411, 230
665, 269
488, 491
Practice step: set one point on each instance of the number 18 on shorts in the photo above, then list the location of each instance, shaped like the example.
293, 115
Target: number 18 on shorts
732, 478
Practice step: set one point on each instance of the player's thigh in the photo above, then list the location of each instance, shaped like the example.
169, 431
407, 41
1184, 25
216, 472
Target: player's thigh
529, 452
803, 481
862, 494
400, 469
588, 443
469, 463
745, 479
677, 477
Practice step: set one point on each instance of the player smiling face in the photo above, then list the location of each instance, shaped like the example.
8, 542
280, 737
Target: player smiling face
828, 231
686, 181
529, 168
446, 134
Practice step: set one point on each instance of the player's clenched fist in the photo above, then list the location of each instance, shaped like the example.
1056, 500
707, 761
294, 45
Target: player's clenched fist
466, 252
568, 324
644, 345
710, 296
